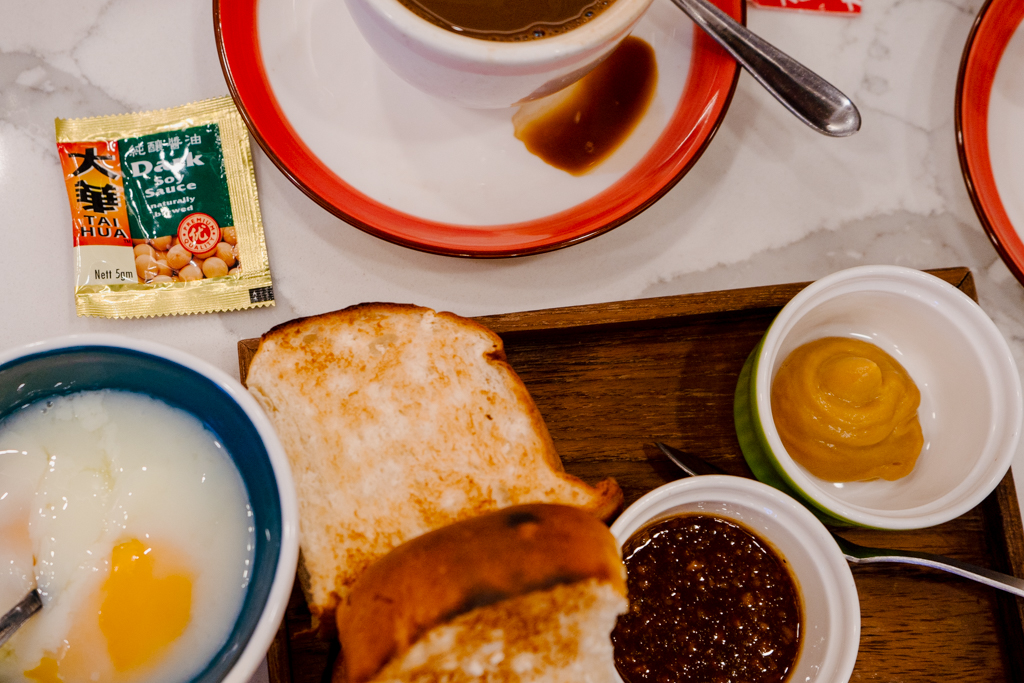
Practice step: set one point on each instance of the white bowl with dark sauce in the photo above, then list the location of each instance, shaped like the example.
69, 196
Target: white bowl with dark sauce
715, 612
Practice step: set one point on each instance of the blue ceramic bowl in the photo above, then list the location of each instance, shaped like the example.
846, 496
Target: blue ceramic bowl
88, 362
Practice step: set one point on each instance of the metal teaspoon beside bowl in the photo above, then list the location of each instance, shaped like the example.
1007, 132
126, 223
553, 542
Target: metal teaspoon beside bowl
693, 465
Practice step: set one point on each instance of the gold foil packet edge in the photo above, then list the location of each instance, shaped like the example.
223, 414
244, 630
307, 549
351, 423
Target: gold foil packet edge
134, 124
179, 298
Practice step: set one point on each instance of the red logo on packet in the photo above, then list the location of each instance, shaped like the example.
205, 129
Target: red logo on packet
836, 6
198, 233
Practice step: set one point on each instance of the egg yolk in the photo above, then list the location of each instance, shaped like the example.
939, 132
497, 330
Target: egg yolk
46, 672
141, 614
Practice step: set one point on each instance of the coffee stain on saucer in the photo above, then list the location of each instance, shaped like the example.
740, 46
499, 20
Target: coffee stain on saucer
579, 127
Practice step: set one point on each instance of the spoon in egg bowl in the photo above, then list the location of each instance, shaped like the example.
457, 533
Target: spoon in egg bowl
18, 583
19, 614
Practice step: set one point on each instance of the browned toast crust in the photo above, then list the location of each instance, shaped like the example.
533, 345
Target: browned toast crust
468, 565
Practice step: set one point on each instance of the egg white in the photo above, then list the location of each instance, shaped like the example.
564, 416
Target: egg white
96, 469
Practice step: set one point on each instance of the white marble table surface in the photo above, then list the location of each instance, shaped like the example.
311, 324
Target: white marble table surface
770, 201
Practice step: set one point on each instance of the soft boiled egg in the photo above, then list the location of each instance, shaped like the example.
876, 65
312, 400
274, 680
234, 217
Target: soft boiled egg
141, 535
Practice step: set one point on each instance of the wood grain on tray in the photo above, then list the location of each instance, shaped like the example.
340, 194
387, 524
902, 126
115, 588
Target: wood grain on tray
611, 379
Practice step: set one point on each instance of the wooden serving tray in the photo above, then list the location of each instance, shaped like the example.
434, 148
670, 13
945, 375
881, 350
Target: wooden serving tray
611, 379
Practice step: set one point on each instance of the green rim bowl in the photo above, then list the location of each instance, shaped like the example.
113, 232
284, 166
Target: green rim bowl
971, 404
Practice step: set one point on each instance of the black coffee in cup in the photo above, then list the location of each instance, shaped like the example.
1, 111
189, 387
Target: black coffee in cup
508, 20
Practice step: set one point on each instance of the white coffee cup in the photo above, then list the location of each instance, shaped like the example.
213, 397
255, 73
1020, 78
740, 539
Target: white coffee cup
488, 74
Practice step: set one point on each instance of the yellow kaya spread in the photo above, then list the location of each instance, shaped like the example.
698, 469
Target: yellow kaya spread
847, 411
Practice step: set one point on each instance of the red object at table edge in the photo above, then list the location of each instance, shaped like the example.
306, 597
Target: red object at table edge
834, 6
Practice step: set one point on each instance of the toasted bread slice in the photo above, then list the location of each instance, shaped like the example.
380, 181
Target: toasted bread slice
527, 593
398, 420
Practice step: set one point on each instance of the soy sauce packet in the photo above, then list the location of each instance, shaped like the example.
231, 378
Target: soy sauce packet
165, 214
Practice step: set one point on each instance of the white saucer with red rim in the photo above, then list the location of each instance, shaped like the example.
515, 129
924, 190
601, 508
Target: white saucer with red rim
433, 176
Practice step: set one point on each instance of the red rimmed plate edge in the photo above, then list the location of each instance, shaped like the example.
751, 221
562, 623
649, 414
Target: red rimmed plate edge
993, 28
710, 85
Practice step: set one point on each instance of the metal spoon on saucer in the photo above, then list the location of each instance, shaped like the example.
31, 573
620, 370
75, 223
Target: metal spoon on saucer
811, 98
693, 465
